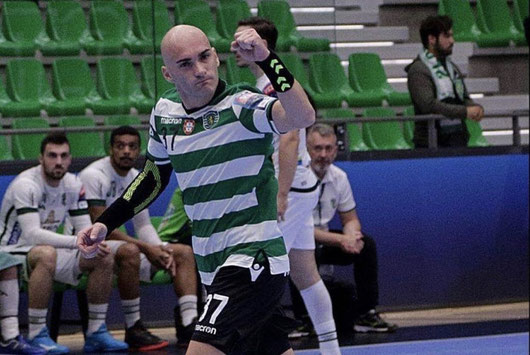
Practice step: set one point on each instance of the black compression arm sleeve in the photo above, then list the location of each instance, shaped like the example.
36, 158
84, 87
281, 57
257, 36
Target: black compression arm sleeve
141, 192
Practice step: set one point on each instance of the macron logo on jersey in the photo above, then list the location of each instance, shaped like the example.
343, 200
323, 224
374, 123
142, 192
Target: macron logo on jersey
205, 329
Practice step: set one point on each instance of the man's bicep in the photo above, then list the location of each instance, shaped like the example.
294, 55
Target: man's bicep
95, 211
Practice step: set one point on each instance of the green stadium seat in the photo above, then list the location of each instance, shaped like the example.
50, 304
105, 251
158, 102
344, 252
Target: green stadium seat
368, 79
83, 144
4, 98
279, 12
355, 137
109, 27
197, 13
28, 88
5, 151
408, 126
117, 83
520, 12
383, 135
72, 83
464, 25
476, 139
236, 75
27, 146
22, 28
143, 40
228, 13
295, 65
493, 17
327, 77
153, 82
156, 220
124, 120
65, 27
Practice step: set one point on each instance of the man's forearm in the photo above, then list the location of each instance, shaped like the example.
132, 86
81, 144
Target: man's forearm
328, 238
142, 191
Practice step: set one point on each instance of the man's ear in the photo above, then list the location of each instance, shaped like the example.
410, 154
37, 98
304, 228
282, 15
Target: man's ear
216, 57
166, 74
431, 39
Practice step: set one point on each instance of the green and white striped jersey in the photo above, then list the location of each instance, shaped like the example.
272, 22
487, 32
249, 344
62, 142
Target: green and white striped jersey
221, 154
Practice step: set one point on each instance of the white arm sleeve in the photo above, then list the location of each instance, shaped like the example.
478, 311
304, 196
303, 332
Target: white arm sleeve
33, 234
145, 230
80, 222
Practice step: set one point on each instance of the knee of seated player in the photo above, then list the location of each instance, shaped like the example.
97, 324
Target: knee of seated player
99, 263
43, 256
182, 253
128, 256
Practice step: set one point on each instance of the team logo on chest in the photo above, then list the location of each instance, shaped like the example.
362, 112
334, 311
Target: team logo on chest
188, 127
209, 119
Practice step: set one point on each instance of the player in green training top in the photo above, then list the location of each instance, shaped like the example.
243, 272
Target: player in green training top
217, 139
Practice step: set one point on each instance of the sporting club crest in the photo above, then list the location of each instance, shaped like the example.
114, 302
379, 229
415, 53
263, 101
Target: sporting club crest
209, 119
188, 126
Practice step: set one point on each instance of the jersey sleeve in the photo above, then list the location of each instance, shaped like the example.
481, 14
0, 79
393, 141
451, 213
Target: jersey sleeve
156, 150
254, 111
95, 187
26, 196
346, 202
78, 204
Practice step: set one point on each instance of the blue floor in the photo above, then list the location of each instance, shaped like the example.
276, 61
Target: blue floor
506, 344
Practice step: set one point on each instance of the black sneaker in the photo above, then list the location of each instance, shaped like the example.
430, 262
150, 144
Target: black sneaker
184, 333
140, 339
304, 330
372, 322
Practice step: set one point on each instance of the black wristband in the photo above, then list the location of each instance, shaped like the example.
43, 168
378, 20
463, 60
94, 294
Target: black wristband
280, 78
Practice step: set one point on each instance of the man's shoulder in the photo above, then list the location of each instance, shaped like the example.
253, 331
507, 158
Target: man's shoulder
72, 182
28, 179
337, 175
171, 95
95, 170
417, 66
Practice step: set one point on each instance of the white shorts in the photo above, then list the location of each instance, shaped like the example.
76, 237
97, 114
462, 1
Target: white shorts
298, 227
66, 267
147, 270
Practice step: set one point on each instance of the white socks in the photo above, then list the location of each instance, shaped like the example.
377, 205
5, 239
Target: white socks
188, 309
37, 321
318, 305
97, 313
9, 308
131, 310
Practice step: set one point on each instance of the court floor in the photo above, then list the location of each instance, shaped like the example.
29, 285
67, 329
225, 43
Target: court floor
486, 330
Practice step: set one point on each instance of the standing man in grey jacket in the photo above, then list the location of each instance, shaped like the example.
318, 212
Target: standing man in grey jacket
437, 86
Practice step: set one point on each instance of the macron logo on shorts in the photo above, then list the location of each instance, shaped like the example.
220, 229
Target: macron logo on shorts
205, 329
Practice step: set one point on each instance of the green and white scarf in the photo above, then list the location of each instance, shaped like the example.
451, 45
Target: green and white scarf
444, 79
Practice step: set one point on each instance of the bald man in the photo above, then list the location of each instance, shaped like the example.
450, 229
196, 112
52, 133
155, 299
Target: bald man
217, 139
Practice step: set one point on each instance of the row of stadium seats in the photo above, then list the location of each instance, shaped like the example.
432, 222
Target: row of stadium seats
83, 144
109, 30
72, 89
493, 25
389, 135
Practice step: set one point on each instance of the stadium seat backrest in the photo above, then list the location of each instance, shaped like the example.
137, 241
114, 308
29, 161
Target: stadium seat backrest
82, 144
71, 78
143, 19
460, 12
21, 21
383, 135
108, 20
520, 12
26, 80
366, 72
153, 82
65, 20
116, 78
196, 13
494, 16
236, 75
27, 146
279, 12
325, 72
228, 14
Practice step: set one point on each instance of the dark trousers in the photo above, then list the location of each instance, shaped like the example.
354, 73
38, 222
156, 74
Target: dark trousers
364, 271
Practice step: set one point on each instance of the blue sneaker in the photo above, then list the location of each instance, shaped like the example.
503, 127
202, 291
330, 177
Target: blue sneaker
43, 341
19, 345
102, 341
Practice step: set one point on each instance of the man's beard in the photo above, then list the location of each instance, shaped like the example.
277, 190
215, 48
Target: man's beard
443, 53
55, 175
125, 167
